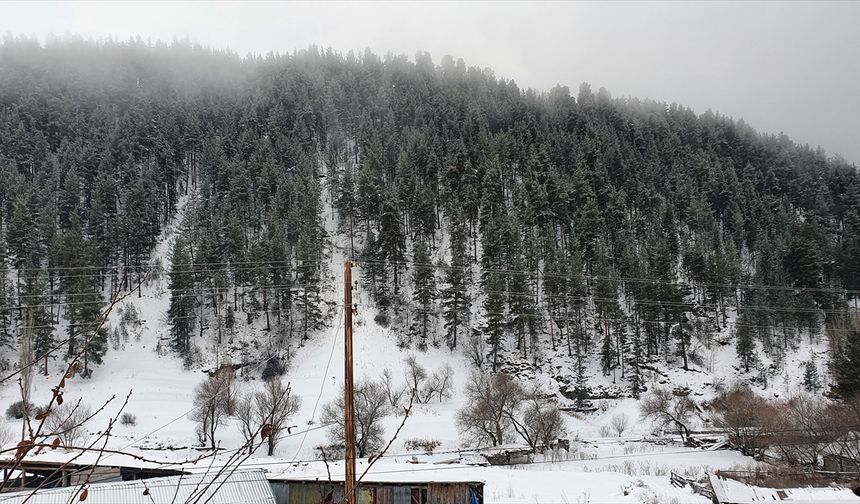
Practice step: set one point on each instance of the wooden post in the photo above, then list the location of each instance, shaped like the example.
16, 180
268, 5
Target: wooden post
349, 407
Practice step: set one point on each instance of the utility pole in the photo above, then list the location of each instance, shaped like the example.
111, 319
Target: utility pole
349, 407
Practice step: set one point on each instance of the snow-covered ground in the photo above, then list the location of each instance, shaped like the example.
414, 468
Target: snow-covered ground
598, 469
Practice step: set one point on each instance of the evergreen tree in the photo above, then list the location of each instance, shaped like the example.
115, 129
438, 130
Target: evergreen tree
373, 271
345, 202
635, 360
87, 336
102, 220
391, 240
811, 380
181, 312
495, 319
33, 303
649, 195
455, 297
849, 250
581, 391
745, 342
846, 364
20, 232
6, 300
423, 290
606, 303
308, 295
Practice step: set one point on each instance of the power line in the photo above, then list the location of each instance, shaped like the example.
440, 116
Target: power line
323, 382
203, 291
620, 279
243, 266
194, 290
135, 268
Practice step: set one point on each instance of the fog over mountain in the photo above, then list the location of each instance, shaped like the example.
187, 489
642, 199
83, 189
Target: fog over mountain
596, 243
789, 67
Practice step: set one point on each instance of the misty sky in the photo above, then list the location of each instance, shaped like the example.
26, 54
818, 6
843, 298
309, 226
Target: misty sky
791, 67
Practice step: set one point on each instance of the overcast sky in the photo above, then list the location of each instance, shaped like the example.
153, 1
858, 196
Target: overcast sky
782, 66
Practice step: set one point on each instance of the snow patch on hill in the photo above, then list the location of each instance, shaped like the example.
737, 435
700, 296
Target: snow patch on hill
599, 468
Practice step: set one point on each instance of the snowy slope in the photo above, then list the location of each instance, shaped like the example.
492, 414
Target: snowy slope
599, 468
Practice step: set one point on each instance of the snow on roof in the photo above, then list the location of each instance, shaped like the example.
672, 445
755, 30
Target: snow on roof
77, 458
506, 448
240, 487
385, 473
729, 491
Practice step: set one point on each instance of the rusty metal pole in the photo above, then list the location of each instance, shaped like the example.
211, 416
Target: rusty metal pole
349, 407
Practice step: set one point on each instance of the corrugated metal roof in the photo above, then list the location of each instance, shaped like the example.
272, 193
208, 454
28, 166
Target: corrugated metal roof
729, 491
391, 473
240, 487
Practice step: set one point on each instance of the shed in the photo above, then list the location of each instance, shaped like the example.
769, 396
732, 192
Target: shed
239, 487
835, 462
728, 491
508, 454
289, 489
34, 473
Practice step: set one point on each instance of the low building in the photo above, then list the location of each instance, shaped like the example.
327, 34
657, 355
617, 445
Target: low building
237, 487
834, 462
729, 491
841, 457
291, 489
508, 454
30, 473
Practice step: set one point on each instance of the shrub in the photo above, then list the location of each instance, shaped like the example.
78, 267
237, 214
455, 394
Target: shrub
156, 271
619, 423
334, 451
68, 422
129, 315
425, 445
382, 319
6, 435
128, 419
18, 409
274, 368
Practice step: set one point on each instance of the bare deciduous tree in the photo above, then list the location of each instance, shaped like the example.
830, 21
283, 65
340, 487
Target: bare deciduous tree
845, 421
246, 419
484, 418
211, 404
392, 391
416, 375
228, 375
6, 435
274, 407
440, 384
476, 350
68, 422
619, 423
424, 388
371, 406
667, 408
540, 423
747, 419
800, 432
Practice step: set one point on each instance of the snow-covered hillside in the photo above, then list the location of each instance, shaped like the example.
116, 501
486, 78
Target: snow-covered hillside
600, 467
